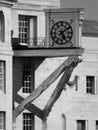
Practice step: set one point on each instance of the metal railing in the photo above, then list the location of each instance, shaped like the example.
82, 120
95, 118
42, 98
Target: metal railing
30, 42
36, 42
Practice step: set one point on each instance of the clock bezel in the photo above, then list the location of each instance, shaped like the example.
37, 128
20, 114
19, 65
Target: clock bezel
61, 41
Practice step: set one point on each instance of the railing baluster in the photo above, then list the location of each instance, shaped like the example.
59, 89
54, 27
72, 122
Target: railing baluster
31, 42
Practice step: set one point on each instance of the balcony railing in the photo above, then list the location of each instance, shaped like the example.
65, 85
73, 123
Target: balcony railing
41, 49
36, 42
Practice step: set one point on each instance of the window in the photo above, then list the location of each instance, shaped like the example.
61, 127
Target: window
28, 119
27, 29
96, 125
81, 125
2, 121
28, 76
2, 76
90, 84
1, 26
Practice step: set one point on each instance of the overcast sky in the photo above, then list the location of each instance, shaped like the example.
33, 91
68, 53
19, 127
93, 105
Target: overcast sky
91, 7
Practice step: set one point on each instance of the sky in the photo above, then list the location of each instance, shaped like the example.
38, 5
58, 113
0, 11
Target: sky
90, 6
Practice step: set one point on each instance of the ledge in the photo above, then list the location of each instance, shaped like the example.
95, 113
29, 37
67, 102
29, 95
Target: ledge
8, 2
48, 52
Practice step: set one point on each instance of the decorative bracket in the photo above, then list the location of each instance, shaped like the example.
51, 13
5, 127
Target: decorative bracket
72, 83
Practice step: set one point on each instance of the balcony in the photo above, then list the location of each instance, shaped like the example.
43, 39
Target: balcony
36, 42
37, 47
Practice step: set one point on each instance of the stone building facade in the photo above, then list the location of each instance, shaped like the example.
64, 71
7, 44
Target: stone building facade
21, 71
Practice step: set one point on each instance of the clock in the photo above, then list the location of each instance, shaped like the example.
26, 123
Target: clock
61, 32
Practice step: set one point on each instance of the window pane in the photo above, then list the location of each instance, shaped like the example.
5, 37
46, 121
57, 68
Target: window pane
27, 121
96, 125
81, 125
2, 121
27, 29
2, 75
90, 84
23, 28
26, 86
1, 26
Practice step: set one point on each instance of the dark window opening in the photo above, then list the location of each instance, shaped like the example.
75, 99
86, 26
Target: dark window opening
81, 125
96, 125
90, 84
1, 26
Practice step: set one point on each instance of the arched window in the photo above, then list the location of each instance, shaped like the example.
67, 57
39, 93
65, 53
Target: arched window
1, 26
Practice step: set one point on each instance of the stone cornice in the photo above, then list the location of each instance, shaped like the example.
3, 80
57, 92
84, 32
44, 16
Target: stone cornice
11, 0
36, 4
7, 2
41, 2
32, 7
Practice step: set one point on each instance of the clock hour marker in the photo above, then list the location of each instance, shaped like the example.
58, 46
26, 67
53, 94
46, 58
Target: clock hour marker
53, 35
59, 24
53, 30
55, 26
64, 24
59, 41
64, 41
56, 39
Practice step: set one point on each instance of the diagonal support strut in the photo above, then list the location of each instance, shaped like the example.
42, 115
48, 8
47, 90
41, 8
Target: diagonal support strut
58, 90
44, 85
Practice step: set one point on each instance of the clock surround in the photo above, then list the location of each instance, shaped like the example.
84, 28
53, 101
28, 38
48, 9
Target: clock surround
59, 37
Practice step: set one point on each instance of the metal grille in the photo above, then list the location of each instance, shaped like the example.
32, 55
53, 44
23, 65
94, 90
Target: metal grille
36, 42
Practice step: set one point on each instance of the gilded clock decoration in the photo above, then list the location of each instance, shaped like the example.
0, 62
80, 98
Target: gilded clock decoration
61, 32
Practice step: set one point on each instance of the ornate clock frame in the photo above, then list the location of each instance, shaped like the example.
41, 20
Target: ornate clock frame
63, 27
61, 33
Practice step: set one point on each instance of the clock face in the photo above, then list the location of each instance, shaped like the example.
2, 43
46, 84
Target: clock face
61, 32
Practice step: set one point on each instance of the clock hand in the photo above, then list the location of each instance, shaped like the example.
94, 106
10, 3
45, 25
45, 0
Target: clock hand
65, 29
63, 36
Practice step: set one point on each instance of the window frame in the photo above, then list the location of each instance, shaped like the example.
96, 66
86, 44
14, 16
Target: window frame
96, 124
83, 122
2, 27
27, 89
3, 121
2, 77
27, 33
28, 123
91, 89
